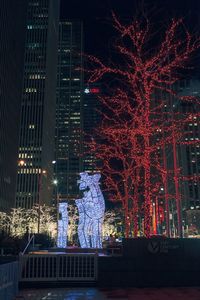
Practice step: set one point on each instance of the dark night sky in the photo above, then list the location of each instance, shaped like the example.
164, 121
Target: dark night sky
96, 15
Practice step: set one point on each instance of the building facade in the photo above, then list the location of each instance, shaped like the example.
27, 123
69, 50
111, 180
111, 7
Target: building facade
37, 123
182, 162
189, 157
12, 37
91, 120
68, 133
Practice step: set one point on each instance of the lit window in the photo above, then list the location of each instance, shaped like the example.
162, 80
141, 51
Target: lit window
31, 90
36, 76
42, 16
34, 4
33, 45
31, 126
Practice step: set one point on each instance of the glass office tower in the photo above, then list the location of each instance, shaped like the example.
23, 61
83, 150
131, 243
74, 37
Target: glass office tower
68, 134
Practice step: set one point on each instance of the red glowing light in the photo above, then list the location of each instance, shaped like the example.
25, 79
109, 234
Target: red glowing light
95, 91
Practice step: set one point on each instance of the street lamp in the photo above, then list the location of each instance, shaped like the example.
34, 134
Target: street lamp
55, 182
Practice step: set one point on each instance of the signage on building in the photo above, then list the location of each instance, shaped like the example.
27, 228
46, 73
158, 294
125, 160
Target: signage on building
165, 246
94, 90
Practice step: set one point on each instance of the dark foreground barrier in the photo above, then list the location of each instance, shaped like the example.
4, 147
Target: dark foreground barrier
153, 262
9, 277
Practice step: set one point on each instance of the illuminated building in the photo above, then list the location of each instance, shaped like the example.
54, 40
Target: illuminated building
34, 180
189, 155
12, 36
68, 134
183, 162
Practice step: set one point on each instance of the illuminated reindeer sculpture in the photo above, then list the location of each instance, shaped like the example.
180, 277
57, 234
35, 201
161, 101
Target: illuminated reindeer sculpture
91, 211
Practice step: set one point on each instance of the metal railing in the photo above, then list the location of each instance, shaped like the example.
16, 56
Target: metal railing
9, 280
58, 267
32, 239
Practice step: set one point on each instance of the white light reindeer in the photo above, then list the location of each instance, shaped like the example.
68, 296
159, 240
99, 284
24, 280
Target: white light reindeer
91, 211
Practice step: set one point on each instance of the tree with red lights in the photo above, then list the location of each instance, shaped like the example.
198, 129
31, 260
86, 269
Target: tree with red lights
140, 122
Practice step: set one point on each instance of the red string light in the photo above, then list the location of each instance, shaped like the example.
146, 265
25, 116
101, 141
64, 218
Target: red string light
139, 123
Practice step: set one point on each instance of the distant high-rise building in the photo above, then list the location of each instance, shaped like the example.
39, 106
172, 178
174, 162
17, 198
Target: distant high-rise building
12, 37
91, 120
37, 124
189, 154
183, 161
68, 134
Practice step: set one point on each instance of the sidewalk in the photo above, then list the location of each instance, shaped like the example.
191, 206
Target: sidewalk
186, 293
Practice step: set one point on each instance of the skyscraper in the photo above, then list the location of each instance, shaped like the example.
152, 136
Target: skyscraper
91, 120
68, 135
36, 142
12, 36
189, 156
182, 191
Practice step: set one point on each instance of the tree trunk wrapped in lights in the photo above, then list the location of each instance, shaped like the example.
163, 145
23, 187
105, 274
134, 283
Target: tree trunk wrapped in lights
139, 121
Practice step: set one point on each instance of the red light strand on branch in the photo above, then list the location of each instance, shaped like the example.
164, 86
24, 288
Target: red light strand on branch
138, 125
